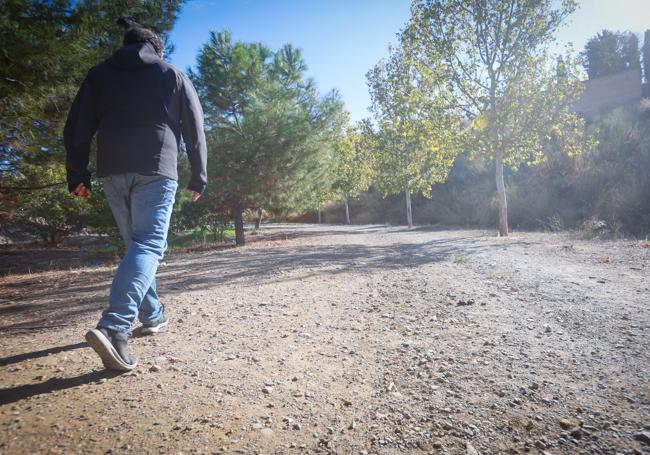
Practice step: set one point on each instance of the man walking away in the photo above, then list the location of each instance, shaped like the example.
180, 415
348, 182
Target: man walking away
140, 106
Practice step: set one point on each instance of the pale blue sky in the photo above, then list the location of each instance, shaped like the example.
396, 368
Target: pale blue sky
342, 39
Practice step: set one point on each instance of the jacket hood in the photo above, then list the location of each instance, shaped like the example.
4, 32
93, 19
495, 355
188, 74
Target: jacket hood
134, 56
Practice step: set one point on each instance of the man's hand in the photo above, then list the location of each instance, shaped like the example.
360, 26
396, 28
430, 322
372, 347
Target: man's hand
81, 191
195, 195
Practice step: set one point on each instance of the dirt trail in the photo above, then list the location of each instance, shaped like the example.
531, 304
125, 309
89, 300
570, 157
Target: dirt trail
345, 340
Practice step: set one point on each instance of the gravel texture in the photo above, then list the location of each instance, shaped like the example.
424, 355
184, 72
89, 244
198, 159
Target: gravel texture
330, 339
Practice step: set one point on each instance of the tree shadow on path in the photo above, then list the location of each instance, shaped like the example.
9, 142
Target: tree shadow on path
259, 266
46, 303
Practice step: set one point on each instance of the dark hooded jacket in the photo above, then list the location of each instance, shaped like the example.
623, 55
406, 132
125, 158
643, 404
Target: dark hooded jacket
140, 106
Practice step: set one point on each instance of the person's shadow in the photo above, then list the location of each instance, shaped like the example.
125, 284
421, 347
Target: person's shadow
13, 394
36, 354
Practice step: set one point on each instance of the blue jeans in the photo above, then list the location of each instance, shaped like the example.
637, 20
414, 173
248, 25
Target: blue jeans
142, 207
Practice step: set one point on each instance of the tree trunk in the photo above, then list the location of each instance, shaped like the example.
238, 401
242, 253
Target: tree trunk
319, 213
409, 213
52, 237
501, 196
239, 225
347, 208
258, 220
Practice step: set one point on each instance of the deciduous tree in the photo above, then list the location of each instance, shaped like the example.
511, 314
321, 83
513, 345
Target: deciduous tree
354, 168
413, 148
494, 54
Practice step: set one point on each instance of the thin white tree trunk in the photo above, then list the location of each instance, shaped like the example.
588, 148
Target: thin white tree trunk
258, 220
501, 196
409, 213
239, 225
347, 208
319, 212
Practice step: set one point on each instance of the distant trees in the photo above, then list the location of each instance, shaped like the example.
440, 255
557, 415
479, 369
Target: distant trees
494, 56
270, 134
354, 168
611, 52
605, 187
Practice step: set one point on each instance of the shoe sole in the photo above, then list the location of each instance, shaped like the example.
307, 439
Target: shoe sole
151, 330
105, 350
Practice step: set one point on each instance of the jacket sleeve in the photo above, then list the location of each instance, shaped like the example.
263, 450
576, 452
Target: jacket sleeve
193, 135
78, 133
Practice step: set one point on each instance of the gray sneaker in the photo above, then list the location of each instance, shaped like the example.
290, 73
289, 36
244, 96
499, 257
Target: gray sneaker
110, 346
155, 326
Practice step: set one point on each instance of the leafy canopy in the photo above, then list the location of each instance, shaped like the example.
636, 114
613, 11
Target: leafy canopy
494, 54
414, 116
354, 168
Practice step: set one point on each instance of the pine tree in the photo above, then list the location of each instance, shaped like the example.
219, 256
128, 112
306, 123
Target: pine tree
270, 135
611, 52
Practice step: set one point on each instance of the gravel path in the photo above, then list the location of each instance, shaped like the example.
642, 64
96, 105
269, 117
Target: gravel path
333, 339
